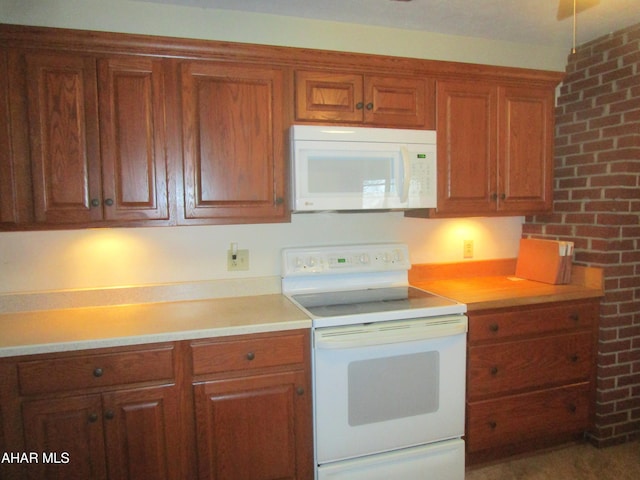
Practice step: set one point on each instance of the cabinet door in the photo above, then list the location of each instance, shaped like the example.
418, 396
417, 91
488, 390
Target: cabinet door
8, 212
70, 432
254, 428
394, 101
142, 433
467, 127
233, 142
63, 131
329, 96
131, 93
526, 150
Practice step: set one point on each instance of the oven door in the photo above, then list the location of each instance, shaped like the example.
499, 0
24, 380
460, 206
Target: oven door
388, 385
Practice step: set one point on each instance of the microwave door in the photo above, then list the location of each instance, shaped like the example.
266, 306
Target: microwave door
347, 176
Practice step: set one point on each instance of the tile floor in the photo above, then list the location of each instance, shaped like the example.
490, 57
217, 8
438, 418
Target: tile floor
574, 462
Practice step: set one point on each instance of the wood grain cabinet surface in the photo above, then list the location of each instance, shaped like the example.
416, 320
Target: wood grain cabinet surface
495, 149
334, 96
108, 414
94, 137
253, 408
222, 408
530, 377
108, 129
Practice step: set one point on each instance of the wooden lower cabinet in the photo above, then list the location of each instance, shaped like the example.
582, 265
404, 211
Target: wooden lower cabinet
229, 408
530, 377
253, 419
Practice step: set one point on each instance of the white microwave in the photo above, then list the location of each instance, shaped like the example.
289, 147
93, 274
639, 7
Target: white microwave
347, 169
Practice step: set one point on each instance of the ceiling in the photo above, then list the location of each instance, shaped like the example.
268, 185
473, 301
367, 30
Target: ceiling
522, 21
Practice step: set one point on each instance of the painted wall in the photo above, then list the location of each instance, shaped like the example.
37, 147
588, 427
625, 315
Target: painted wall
41, 261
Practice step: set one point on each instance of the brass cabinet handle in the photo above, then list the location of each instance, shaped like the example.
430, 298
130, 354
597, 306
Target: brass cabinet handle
369, 106
108, 202
300, 391
251, 356
359, 105
95, 202
98, 372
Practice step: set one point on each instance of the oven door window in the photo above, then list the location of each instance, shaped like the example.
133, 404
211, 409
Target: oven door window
383, 389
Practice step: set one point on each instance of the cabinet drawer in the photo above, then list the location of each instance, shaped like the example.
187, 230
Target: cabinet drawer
217, 356
100, 370
532, 320
518, 418
513, 366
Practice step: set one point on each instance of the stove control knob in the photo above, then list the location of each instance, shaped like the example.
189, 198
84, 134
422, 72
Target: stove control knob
311, 262
363, 259
386, 258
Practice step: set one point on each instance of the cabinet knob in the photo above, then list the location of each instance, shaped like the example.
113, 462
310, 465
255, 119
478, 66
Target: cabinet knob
108, 202
572, 408
494, 370
279, 200
109, 415
369, 106
359, 105
494, 196
300, 391
574, 358
575, 317
95, 202
93, 417
493, 425
98, 372
494, 327
503, 196
251, 356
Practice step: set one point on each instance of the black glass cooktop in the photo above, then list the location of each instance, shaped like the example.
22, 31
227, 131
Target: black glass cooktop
371, 300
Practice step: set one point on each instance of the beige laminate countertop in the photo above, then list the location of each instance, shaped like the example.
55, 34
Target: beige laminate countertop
26, 333
482, 293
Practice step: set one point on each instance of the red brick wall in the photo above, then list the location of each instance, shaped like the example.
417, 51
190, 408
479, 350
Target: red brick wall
597, 205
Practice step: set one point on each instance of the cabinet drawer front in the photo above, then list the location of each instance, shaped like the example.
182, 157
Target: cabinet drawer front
89, 371
548, 361
518, 418
252, 353
503, 325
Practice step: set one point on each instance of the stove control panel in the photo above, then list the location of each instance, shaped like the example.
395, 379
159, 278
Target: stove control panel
345, 259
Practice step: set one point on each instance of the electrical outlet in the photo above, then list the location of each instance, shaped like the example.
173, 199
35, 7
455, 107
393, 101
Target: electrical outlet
467, 249
238, 261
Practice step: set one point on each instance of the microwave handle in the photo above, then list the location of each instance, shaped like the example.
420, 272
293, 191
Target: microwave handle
406, 164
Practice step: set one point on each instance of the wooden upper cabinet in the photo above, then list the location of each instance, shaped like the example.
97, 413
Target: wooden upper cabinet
467, 142
389, 101
525, 157
96, 138
131, 92
495, 149
233, 142
62, 104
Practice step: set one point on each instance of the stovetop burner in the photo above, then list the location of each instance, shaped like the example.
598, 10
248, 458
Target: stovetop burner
370, 300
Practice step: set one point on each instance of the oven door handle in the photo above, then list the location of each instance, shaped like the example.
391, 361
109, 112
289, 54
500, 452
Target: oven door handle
379, 334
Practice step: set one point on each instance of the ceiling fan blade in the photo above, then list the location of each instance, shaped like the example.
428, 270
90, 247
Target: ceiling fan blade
565, 7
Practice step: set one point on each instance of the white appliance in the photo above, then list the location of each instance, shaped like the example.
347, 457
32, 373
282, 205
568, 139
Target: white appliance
341, 168
388, 364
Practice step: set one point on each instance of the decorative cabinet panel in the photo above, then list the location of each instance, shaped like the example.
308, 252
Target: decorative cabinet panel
530, 377
95, 135
495, 149
387, 101
252, 400
233, 142
105, 414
